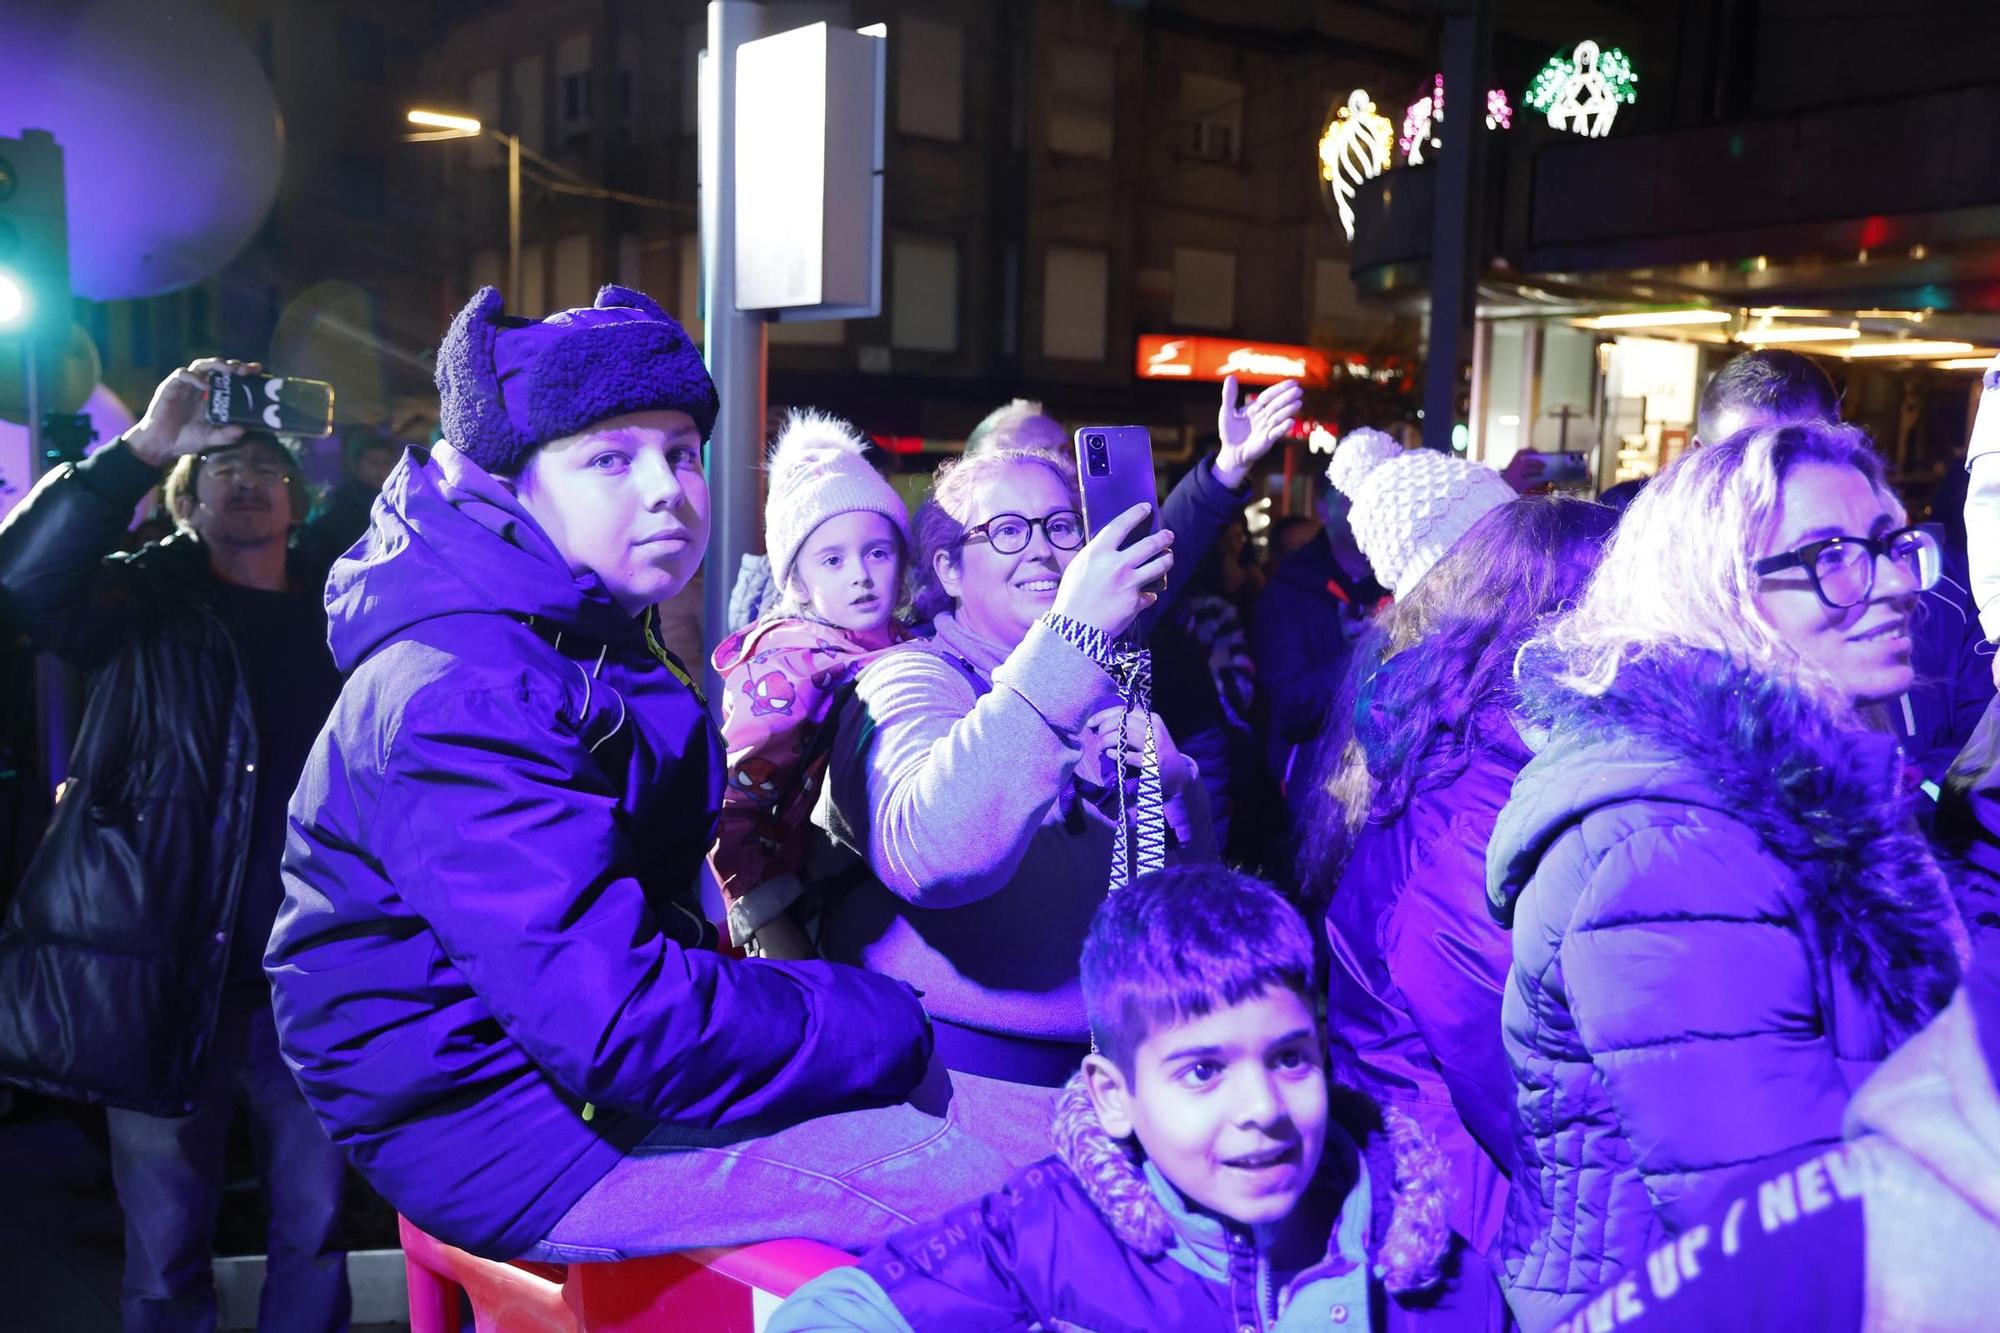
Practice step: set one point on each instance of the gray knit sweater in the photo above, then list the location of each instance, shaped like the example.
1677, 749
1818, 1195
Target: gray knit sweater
988, 864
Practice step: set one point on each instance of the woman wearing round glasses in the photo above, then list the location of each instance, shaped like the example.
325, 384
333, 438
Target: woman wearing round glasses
1722, 913
970, 772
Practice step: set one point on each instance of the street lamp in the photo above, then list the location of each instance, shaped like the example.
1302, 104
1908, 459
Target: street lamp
445, 126
13, 301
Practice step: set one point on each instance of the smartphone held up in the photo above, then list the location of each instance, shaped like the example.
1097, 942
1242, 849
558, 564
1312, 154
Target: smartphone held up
276, 403
1114, 467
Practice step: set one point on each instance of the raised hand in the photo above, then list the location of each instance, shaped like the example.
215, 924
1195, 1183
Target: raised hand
174, 424
1248, 430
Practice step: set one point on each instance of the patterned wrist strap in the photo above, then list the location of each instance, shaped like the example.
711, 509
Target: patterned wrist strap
1092, 642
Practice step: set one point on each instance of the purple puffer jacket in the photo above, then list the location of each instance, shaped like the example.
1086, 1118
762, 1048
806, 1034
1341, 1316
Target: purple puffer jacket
490, 974
1419, 964
1724, 918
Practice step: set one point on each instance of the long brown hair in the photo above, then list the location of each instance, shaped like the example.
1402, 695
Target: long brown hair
1438, 658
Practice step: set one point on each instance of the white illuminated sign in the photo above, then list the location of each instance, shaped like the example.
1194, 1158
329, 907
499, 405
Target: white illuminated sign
1583, 91
1250, 361
1354, 148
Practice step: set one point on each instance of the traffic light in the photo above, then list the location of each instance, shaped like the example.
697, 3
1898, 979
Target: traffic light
34, 254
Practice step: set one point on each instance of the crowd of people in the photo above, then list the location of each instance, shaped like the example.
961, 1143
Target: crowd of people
1494, 910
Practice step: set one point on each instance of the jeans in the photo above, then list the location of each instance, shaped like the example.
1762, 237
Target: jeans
169, 1176
850, 1179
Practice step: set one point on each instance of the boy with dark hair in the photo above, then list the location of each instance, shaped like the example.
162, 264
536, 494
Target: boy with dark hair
1767, 387
1206, 1176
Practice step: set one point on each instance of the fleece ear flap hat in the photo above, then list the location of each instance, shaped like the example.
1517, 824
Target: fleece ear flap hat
819, 469
507, 385
1410, 505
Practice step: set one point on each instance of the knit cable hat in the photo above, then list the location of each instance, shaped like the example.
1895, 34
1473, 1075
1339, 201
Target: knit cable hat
507, 385
819, 469
1410, 505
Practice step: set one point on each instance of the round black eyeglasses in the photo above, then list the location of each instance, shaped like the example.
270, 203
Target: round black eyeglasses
1842, 569
1009, 534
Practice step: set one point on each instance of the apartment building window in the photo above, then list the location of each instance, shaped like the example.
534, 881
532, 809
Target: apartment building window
1076, 287
573, 285
1335, 301
1204, 289
573, 86
530, 119
1082, 97
482, 98
930, 78
1211, 119
923, 310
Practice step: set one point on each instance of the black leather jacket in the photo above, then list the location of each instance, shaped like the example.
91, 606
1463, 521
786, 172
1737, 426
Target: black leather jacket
114, 949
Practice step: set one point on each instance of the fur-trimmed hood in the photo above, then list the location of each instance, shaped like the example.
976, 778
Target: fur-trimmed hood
1832, 802
1408, 1232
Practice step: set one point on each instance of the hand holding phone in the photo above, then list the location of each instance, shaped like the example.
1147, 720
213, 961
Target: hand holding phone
1109, 582
175, 423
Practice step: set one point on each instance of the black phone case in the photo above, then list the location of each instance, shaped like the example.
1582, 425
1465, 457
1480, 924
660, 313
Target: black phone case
270, 402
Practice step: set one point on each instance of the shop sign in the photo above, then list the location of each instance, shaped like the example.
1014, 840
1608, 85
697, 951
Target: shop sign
1189, 357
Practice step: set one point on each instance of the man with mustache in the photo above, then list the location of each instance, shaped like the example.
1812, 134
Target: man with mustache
131, 957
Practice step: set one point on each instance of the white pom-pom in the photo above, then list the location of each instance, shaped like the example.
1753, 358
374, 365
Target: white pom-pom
806, 442
1359, 454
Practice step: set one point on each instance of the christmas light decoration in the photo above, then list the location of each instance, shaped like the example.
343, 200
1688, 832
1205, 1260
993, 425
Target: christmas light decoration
1354, 148
1420, 123
1425, 118
1583, 91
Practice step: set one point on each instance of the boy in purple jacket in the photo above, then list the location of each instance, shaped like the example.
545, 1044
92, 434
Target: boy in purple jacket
491, 976
1201, 1179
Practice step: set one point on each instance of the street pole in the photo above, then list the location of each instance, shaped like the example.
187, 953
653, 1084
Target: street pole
734, 340
1456, 253
514, 221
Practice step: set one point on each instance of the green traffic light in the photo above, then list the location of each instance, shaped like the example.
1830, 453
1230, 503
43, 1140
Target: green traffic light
13, 301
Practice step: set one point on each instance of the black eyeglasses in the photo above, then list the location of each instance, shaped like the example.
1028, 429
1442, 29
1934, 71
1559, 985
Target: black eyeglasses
1842, 569
1010, 534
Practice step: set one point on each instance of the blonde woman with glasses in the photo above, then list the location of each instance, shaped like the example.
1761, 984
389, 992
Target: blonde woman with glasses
1723, 915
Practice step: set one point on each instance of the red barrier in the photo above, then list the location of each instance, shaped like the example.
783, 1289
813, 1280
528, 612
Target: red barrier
728, 1290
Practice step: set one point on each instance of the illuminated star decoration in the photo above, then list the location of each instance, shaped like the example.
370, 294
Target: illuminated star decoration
1583, 91
1354, 148
1426, 116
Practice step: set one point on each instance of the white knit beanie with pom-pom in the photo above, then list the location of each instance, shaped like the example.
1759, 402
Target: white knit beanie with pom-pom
819, 469
1410, 505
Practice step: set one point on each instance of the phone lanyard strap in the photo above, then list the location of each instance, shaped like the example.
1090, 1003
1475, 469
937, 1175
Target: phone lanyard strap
1139, 843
